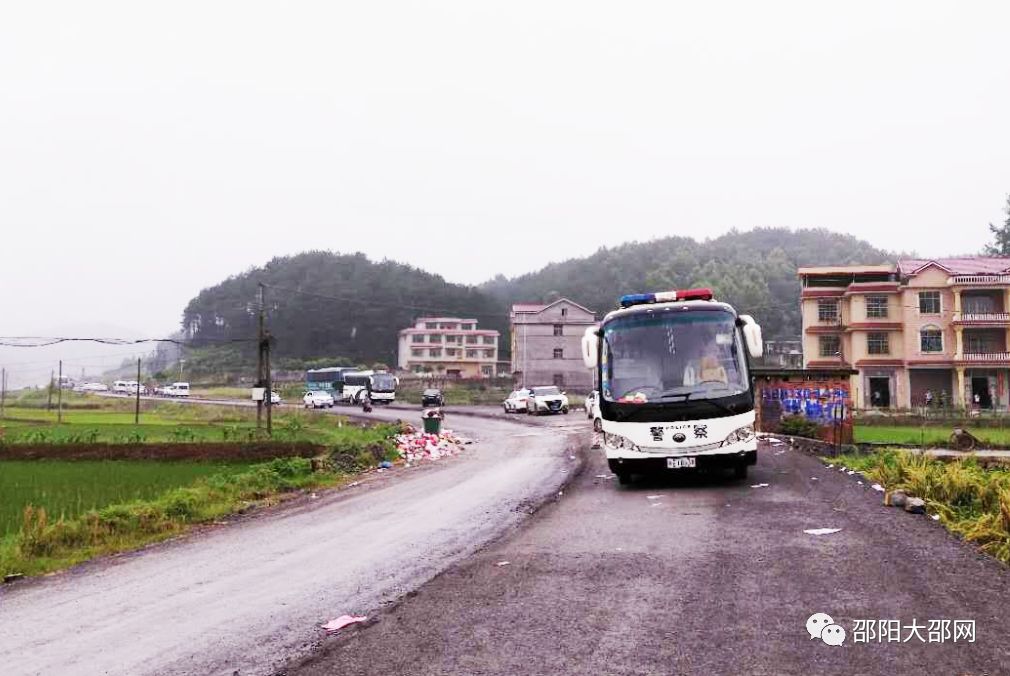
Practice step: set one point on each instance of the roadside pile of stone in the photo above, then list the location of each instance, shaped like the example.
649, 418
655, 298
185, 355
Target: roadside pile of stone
899, 498
893, 498
416, 446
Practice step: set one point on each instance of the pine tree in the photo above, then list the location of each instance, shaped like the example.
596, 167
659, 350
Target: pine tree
1001, 235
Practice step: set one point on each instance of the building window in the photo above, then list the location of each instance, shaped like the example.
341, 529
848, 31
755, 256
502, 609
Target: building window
472, 340
559, 380
415, 353
417, 338
449, 327
431, 325
468, 327
453, 339
559, 353
559, 329
564, 312
489, 340
471, 354
978, 304
489, 354
435, 338
876, 307
487, 371
930, 339
876, 343
827, 310
830, 346
929, 302
450, 352
436, 352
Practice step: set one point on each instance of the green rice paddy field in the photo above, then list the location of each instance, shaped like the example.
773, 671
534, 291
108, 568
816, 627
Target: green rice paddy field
70, 488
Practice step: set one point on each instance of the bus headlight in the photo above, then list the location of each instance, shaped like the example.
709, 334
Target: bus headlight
616, 442
745, 433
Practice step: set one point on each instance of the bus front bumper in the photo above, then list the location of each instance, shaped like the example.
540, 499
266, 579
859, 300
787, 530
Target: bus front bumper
631, 462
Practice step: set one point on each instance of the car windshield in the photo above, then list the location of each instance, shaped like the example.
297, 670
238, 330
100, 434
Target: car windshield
431, 393
545, 391
672, 356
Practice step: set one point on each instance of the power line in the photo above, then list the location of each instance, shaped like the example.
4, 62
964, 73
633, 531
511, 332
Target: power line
46, 341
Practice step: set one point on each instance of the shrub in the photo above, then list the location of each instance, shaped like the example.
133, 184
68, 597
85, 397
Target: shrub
799, 426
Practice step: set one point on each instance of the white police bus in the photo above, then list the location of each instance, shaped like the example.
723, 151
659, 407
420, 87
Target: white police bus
675, 387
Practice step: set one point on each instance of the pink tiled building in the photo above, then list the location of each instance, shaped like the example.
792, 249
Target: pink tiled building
449, 346
922, 325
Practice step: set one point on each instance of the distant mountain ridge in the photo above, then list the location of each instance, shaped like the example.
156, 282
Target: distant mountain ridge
324, 305
755, 271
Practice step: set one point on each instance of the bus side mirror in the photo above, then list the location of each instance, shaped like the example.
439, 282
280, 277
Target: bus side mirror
590, 347
752, 336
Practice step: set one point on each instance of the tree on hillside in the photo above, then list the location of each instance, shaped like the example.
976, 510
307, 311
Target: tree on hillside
1001, 235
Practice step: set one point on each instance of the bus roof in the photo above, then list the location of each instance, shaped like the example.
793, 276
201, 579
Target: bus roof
333, 369
686, 305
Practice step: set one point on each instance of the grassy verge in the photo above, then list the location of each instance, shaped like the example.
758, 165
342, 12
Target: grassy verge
44, 543
164, 423
930, 436
972, 501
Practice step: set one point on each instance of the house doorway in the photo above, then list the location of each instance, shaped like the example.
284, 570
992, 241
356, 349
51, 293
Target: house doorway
980, 392
880, 392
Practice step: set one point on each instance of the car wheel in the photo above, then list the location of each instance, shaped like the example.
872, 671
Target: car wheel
564, 410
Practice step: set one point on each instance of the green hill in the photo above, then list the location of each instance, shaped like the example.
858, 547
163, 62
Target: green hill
755, 271
324, 305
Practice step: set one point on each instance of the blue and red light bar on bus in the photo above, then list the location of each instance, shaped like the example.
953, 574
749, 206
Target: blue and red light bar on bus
666, 296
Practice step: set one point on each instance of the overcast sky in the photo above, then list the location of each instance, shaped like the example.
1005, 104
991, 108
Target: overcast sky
148, 150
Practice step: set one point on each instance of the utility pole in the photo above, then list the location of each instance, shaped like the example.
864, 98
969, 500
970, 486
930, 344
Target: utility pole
49, 401
59, 396
259, 358
136, 410
269, 393
3, 392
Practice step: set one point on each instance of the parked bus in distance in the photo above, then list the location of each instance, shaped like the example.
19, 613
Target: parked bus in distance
329, 380
675, 387
348, 385
380, 386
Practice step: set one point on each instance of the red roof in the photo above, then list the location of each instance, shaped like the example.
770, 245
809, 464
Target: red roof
967, 265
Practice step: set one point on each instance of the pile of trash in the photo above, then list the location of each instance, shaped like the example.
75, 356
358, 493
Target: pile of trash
415, 446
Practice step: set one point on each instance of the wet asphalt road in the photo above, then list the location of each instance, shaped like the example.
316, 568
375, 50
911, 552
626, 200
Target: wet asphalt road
249, 596
697, 576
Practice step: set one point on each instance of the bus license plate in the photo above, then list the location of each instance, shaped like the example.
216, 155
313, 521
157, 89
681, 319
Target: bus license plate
678, 463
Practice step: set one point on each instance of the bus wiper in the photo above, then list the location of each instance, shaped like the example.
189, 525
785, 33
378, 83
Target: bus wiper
687, 396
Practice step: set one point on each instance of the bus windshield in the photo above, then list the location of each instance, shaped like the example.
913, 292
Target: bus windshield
672, 356
383, 382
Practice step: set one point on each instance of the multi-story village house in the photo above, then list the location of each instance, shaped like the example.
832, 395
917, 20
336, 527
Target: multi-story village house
546, 344
940, 326
449, 346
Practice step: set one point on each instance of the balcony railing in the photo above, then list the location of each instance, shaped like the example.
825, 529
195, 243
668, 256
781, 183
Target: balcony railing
979, 280
981, 317
988, 357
